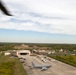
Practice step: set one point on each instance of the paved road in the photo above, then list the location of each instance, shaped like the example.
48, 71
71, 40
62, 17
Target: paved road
58, 68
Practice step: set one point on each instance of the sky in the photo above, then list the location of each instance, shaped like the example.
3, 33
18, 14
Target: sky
39, 21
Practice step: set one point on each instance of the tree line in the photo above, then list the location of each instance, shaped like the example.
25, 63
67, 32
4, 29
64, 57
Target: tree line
10, 46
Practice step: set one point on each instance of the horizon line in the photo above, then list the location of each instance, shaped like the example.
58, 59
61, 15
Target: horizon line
36, 43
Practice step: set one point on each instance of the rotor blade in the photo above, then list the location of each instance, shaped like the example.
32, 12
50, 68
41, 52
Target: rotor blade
4, 10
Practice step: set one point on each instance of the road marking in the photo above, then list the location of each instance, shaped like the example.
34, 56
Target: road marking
48, 72
71, 71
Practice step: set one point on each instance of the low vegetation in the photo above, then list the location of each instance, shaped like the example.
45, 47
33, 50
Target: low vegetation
11, 46
11, 66
69, 59
6, 68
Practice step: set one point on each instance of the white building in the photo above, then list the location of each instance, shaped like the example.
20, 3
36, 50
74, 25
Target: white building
21, 53
7, 53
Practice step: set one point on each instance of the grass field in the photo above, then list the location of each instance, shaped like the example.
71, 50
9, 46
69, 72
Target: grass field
11, 66
68, 59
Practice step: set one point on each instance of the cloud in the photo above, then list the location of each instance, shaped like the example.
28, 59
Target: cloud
49, 16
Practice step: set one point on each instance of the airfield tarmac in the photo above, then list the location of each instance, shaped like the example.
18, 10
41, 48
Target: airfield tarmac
58, 68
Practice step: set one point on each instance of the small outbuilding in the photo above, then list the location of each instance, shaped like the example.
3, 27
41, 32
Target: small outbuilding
7, 53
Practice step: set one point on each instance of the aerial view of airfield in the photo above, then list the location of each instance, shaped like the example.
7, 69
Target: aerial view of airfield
37, 37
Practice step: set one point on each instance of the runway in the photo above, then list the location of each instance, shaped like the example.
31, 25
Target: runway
58, 68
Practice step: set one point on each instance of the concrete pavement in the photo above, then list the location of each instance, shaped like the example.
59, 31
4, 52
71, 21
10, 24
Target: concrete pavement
58, 68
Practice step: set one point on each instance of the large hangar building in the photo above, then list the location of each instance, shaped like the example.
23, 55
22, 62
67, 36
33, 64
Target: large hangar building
21, 53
